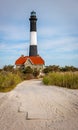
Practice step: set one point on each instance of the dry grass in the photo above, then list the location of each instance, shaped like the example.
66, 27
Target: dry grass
67, 79
8, 81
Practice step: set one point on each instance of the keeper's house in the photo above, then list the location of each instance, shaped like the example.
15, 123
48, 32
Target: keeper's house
32, 61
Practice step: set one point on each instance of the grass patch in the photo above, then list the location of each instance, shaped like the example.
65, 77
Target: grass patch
67, 79
8, 81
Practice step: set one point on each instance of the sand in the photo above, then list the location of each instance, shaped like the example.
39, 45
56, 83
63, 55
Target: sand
34, 106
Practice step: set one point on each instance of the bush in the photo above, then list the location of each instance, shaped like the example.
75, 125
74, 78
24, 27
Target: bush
56, 68
35, 72
9, 68
27, 70
67, 79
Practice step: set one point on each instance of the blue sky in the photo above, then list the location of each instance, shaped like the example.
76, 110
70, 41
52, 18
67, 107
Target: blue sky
57, 30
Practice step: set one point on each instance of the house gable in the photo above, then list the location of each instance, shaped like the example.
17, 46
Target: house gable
28, 63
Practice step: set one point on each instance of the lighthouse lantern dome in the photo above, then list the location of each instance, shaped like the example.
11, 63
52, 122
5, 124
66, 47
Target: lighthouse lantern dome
33, 13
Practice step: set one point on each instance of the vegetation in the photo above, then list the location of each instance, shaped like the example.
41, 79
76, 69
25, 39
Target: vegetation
61, 76
55, 68
10, 77
35, 72
8, 81
8, 68
54, 75
63, 79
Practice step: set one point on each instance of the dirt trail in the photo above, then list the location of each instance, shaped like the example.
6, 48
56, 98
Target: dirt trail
34, 106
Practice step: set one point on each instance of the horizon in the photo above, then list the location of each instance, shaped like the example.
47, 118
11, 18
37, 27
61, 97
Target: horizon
57, 31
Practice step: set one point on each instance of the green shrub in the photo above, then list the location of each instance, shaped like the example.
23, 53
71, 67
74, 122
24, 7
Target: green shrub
67, 79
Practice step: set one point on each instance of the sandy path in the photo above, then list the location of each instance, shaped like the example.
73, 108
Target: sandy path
34, 106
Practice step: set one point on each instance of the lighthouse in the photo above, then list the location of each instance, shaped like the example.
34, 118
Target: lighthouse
33, 35
33, 60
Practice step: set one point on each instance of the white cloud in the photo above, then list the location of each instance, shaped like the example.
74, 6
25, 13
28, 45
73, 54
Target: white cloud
13, 32
6, 47
62, 44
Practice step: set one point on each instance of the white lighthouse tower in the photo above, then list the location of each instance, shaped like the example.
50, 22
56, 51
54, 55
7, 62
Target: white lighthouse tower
33, 35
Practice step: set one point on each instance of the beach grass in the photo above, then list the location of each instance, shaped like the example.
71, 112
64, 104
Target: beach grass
8, 81
62, 79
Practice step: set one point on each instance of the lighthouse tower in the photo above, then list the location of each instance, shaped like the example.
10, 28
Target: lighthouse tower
33, 60
33, 35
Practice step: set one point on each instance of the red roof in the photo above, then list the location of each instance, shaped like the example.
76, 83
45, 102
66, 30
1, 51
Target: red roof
37, 60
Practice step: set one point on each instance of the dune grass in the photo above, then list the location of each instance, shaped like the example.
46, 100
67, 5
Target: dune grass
8, 81
67, 79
